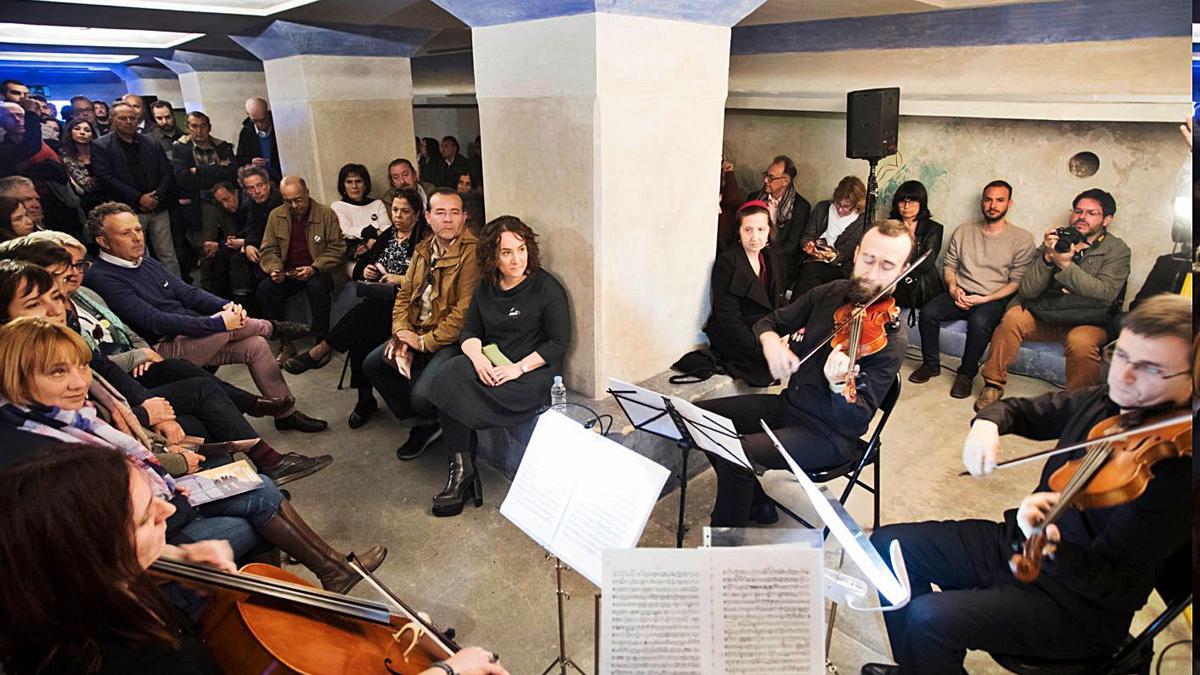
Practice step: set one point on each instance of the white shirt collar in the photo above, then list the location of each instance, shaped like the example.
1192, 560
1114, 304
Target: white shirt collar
120, 262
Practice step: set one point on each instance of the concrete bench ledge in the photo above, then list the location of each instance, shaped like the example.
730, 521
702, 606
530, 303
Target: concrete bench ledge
1043, 360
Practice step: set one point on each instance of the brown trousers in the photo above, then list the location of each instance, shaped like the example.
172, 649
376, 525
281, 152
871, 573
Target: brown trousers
1082, 345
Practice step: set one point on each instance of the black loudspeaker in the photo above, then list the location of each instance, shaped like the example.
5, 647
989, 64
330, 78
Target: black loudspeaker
872, 123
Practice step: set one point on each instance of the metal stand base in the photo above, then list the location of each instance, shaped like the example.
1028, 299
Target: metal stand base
562, 662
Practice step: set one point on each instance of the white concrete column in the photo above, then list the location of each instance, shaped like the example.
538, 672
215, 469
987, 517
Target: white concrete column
603, 132
157, 82
218, 86
338, 97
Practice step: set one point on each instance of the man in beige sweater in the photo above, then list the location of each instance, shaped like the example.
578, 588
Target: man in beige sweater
984, 264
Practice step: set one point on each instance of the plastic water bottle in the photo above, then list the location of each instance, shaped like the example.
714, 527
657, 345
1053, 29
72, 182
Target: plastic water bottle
558, 395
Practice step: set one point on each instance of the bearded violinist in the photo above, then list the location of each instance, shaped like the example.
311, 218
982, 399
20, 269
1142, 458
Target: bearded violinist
812, 417
1101, 563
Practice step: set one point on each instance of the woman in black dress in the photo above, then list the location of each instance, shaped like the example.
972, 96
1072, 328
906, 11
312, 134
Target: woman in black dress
910, 205
519, 314
745, 288
369, 323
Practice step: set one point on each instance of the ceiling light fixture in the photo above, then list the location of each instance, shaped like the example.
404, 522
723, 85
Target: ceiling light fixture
32, 34
242, 7
65, 57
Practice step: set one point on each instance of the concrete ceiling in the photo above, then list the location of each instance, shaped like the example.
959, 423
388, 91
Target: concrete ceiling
452, 35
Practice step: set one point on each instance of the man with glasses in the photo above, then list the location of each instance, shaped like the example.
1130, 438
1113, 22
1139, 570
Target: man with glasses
1101, 563
1068, 295
302, 248
789, 214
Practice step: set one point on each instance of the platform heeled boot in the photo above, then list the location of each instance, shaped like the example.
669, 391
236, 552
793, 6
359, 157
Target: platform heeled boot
462, 483
288, 531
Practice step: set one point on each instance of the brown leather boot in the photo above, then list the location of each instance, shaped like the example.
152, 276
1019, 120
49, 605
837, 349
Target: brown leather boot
288, 531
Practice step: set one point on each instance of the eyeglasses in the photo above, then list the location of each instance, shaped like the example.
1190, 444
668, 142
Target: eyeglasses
771, 179
82, 265
1111, 354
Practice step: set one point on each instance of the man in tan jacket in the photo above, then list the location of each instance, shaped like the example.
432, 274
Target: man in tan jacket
431, 306
302, 249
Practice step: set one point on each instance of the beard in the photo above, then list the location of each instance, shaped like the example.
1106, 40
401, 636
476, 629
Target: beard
861, 292
997, 218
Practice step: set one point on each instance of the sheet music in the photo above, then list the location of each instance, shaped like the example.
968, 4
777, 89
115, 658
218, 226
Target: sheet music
577, 493
712, 432
755, 609
642, 405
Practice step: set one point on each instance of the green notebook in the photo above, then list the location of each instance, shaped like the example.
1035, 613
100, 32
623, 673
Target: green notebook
497, 357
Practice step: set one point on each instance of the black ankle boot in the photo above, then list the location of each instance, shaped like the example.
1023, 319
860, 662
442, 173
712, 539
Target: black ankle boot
462, 483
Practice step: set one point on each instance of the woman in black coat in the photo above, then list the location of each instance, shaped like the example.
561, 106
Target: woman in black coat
513, 342
834, 230
745, 287
910, 205
369, 323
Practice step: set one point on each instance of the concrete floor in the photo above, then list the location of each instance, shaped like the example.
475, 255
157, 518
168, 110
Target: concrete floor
481, 575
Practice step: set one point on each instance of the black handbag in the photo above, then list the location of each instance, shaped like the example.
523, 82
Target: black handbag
696, 366
1069, 309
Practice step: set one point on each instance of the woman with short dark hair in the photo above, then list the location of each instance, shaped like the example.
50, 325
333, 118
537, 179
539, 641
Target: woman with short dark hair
361, 217
513, 341
910, 205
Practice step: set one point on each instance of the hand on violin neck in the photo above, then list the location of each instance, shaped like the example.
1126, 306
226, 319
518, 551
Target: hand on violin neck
1032, 513
837, 369
781, 360
981, 447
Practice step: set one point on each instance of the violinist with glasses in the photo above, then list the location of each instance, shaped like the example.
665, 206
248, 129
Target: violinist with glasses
1100, 555
822, 413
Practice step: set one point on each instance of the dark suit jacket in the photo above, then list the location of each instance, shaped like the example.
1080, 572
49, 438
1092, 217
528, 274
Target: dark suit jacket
116, 176
738, 302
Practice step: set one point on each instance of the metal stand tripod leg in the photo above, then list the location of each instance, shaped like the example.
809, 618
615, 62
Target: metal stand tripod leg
562, 661
829, 667
681, 529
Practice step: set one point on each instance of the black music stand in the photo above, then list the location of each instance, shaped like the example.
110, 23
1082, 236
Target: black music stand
695, 429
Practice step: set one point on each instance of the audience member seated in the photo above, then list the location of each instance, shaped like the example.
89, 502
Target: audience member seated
162, 128
451, 165
361, 216
828, 243
172, 395
476, 215
216, 243
427, 317
403, 175
464, 186
519, 315
257, 142
302, 250
261, 197
183, 321
732, 198
910, 205
44, 403
135, 172
200, 161
97, 610
429, 156
77, 159
14, 219
368, 324
22, 189
1068, 296
789, 215
812, 418
745, 288
985, 262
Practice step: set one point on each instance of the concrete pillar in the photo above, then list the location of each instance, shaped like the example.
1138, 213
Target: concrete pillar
337, 97
218, 86
603, 131
147, 81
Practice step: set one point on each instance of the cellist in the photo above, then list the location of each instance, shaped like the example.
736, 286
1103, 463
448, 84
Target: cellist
815, 422
1101, 563
78, 529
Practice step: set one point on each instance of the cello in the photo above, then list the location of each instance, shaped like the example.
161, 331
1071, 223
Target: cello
265, 619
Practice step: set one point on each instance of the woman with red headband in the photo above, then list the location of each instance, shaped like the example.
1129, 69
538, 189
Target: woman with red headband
745, 287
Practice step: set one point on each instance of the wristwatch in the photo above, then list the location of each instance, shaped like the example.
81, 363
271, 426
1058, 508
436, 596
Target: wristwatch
524, 368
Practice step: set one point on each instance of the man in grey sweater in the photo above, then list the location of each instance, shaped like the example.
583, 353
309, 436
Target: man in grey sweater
1095, 268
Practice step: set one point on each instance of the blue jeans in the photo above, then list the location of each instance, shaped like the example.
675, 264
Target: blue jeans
235, 519
406, 397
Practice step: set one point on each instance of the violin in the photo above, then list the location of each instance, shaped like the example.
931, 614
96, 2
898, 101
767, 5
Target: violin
265, 619
1116, 470
861, 332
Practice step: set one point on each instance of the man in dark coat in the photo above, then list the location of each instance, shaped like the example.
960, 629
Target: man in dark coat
257, 142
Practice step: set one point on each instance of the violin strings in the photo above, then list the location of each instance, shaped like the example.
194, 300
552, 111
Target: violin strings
1092, 462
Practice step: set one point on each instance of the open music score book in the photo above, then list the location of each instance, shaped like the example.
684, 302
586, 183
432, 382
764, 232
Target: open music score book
220, 482
578, 493
746, 610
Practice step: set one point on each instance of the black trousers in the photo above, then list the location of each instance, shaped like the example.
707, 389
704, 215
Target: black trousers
366, 326
318, 287
228, 274
813, 274
203, 409
457, 436
981, 605
981, 323
172, 370
738, 489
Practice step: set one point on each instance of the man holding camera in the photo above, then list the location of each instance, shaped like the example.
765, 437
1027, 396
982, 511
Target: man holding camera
1068, 296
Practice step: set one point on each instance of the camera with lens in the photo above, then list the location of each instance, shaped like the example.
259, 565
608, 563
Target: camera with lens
1067, 237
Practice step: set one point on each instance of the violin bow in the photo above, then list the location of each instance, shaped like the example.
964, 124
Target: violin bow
1086, 444
862, 310
438, 636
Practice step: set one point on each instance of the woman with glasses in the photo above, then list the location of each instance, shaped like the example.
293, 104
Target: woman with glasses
368, 324
834, 231
910, 205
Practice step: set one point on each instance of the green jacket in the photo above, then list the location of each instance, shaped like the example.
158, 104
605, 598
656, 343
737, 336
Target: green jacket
325, 243
1102, 273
